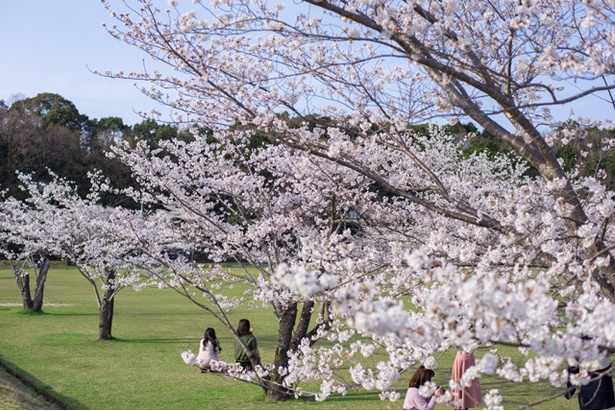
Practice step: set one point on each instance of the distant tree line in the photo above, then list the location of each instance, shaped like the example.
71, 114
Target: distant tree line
47, 132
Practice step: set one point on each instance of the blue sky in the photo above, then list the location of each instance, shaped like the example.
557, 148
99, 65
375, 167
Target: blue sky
48, 45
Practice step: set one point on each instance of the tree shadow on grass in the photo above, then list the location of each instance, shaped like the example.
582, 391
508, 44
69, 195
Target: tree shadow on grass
40, 387
89, 338
73, 314
18, 309
352, 400
156, 340
528, 393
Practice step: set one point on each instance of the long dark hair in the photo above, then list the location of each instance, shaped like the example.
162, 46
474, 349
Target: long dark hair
210, 335
243, 328
421, 376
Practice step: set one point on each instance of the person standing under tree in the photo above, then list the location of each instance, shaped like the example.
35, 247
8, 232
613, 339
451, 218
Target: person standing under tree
465, 397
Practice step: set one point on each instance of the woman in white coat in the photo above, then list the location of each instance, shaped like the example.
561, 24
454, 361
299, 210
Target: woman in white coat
209, 350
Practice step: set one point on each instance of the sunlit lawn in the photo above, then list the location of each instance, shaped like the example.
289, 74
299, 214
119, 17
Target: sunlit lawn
142, 367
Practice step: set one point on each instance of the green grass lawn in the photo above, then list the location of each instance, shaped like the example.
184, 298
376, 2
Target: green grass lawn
142, 367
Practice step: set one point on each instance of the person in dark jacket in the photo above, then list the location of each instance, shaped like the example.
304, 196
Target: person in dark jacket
245, 334
598, 394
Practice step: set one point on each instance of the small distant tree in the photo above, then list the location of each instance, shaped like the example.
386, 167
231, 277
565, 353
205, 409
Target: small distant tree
55, 218
26, 253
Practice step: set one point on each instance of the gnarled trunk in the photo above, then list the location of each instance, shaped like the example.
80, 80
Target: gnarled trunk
23, 283
289, 339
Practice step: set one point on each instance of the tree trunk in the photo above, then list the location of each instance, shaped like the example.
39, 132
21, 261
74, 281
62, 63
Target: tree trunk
274, 388
106, 311
304, 323
106, 318
23, 283
289, 340
40, 285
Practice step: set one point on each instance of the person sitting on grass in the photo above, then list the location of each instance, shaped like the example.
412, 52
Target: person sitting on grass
208, 350
245, 334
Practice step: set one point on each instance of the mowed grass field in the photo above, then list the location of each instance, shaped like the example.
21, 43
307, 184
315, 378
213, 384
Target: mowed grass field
142, 368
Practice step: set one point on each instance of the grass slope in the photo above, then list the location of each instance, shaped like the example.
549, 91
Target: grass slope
142, 368
15, 395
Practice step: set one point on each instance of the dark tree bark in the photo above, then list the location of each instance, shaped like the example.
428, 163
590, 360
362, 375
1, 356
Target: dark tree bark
23, 283
40, 285
289, 339
301, 331
106, 311
288, 317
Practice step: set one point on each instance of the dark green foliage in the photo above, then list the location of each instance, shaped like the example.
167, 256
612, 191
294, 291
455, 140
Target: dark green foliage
483, 142
421, 129
31, 147
461, 128
258, 140
106, 129
52, 109
608, 164
47, 132
568, 155
587, 155
312, 121
153, 132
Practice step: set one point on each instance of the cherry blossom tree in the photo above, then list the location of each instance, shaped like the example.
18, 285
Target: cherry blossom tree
16, 245
388, 64
484, 253
97, 239
271, 210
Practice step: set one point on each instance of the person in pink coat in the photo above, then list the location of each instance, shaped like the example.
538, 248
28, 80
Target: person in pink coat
413, 400
465, 397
